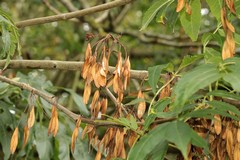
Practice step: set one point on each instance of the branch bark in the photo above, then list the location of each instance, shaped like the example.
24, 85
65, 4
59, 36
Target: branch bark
61, 65
70, 15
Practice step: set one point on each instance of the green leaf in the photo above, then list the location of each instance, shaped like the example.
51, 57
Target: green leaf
133, 123
43, 143
159, 152
200, 113
237, 39
6, 40
187, 60
81, 150
212, 56
64, 152
81, 106
231, 73
152, 11
222, 106
181, 135
191, 82
158, 107
5, 140
154, 75
191, 23
135, 101
166, 114
215, 7
237, 7
176, 132
79, 102
224, 94
148, 143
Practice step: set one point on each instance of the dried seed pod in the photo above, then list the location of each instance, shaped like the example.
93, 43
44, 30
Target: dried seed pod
74, 138
115, 83
31, 117
94, 100
180, 5
236, 152
87, 92
53, 124
141, 105
25, 135
217, 124
14, 141
126, 72
104, 104
188, 9
55, 129
132, 138
230, 4
165, 92
230, 143
238, 135
98, 155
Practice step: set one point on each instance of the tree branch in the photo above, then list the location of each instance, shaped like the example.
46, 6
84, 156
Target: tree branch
50, 99
163, 41
70, 15
61, 65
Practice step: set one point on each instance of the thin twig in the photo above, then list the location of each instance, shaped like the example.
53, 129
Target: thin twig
62, 65
54, 10
79, 13
111, 96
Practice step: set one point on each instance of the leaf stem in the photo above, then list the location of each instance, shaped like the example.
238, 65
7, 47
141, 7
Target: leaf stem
151, 104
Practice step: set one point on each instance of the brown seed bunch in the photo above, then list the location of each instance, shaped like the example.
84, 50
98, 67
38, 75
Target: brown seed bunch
14, 141
53, 124
96, 73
